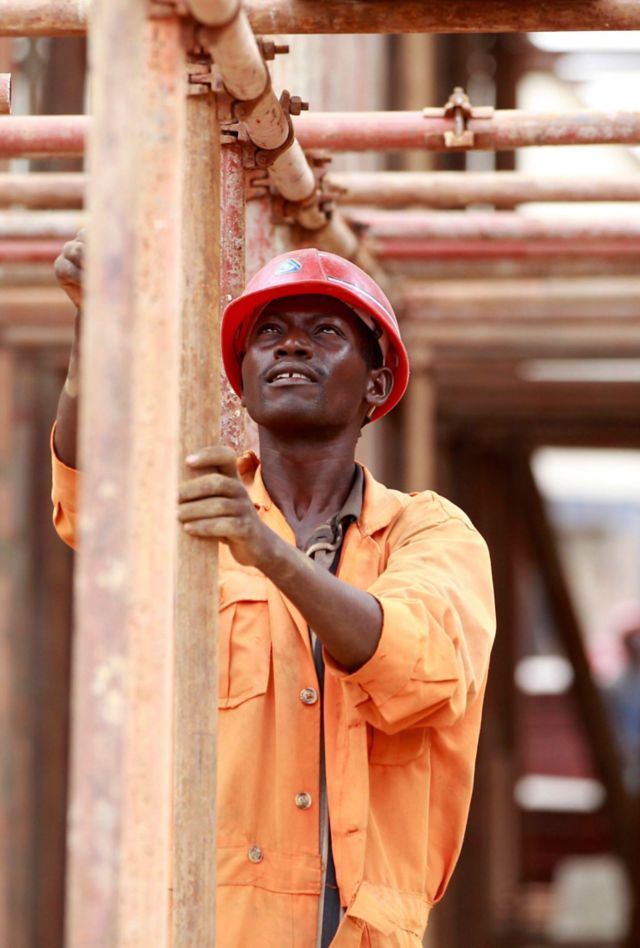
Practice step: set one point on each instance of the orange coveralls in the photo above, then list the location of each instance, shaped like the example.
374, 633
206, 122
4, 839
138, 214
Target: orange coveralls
400, 733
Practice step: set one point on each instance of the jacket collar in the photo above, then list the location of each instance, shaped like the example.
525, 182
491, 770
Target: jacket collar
380, 503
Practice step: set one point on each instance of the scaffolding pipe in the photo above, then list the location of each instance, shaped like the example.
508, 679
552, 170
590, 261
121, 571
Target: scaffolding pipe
501, 130
40, 224
47, 136
43, 136
392, 189
5, 93
457, 189
490, 226
29, 251
502, 250
64, 190
69, 17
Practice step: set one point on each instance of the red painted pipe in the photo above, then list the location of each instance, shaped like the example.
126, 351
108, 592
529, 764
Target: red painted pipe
503, 130
29, 251
43, 136
425, 249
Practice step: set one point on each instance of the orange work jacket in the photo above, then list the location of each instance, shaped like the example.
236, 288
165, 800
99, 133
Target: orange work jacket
400, 733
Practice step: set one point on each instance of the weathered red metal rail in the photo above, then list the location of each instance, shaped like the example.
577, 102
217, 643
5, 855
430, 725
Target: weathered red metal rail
455, 189
43, 136
491, 226
42, 190
33, 250
412, 250
48, 136
443, 189
69, 17
503, 130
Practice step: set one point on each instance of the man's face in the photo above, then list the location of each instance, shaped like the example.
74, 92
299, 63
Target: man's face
304, 366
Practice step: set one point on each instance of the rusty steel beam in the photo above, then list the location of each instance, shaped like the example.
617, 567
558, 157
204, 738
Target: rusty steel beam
458, 189
69, 17
43, 136
497, 250
32, 250
490, 226
39, 136
64, 190
196, 680
503, 130
35, 306
120, 834
40, 225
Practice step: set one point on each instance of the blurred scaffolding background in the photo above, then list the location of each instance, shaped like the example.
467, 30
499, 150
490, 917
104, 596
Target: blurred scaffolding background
523, 408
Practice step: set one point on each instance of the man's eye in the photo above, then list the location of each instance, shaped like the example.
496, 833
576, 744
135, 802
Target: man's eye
267, 328
327, 327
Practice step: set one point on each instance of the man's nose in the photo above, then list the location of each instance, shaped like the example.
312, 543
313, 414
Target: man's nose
294, 343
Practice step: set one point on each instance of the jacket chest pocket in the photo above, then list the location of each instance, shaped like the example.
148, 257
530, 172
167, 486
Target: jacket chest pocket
244, 641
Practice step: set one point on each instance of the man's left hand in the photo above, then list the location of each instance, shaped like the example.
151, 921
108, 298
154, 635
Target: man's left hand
214, 504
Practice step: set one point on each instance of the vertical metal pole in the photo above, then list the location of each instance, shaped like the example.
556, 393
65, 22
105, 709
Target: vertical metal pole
232, 276
120, 832
196, 602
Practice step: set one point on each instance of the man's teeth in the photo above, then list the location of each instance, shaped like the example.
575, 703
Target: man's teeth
291, 375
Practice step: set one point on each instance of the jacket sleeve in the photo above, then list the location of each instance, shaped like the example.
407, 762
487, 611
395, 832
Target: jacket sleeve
64, 497
438, 625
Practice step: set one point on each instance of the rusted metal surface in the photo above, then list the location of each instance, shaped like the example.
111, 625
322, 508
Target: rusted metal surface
232, 280
497, 250
121, 812
492, 226
505, 130
456, 189
42, 190
40, 225
33, 250
69, 17
44, 17
443, 16
43, 136
196, 602
5, 93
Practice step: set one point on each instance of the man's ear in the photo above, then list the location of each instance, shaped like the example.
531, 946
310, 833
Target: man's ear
379, 385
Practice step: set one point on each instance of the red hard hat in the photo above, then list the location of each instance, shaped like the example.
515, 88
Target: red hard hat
315, 271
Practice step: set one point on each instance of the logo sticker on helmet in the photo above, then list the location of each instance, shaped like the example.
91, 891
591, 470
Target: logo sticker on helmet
288, 266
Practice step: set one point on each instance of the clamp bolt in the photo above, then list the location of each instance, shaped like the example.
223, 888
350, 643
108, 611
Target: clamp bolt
296, 105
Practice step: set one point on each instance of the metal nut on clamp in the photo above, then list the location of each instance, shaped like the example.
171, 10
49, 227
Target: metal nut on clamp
270, 50
458, 107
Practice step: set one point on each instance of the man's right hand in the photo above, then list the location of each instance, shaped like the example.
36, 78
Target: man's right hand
68, 268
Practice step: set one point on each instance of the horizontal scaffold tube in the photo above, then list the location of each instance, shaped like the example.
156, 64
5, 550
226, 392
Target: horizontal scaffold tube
392, 189
455, 189
69, 17
491, 226
40, 225
52, 189
31, 250
43, 136
503, 130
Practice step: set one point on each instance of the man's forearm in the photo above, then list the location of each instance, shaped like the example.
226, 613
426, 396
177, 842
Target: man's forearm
347, 620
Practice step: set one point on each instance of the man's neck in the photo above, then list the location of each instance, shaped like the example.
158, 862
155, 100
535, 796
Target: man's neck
308, 480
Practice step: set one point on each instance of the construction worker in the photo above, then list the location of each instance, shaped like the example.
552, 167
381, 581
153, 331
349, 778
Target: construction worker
355, 625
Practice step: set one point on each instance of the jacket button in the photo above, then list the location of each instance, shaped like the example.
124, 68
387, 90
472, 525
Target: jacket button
303, 801
255, 854
308, 696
